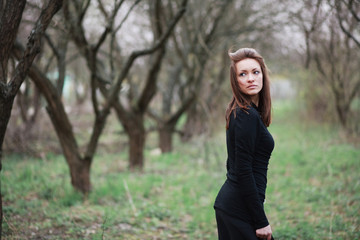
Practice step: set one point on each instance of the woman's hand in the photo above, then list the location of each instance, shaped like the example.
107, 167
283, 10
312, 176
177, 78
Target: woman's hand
264, 233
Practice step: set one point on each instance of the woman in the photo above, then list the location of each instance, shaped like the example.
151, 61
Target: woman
239, 204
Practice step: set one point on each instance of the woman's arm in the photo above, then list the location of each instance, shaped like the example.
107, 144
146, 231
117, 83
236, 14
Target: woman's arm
246, 129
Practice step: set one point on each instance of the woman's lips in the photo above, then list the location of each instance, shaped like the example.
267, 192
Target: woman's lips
252, 86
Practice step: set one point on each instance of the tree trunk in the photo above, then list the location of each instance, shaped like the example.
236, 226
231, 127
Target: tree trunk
6, 105
80, 174
343, 111
5, 113
166, 131
136, 147
133, 123
194, 124
11, 10
1, 212
79, 167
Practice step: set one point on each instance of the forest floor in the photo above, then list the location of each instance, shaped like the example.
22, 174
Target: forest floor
313, 189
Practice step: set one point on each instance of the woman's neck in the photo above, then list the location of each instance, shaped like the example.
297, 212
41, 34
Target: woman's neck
255, 99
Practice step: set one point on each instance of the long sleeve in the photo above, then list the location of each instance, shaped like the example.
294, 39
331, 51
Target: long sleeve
246, 132
249, 147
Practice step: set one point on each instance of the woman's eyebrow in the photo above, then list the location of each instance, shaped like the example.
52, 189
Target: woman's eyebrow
245, 70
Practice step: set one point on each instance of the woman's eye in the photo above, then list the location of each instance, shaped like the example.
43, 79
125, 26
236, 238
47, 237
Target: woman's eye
242, 74
257, 72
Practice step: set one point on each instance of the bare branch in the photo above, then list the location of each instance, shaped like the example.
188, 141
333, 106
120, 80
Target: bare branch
180, 51
101, 39
185, 106
73, 58
48, 90
94, 99
136, 54
348, 33
12, 11
353, 11
149, 89
319, 65
52, 45
355, 90
340, 17
126, 16
33, 45
83, 11
49, 62
102, 9
113, 43
162, 40
218, 17
75, 29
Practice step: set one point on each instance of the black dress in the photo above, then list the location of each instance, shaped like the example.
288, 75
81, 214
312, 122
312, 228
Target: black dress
241, 198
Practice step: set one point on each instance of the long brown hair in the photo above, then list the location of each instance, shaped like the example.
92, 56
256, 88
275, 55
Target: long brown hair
241, 100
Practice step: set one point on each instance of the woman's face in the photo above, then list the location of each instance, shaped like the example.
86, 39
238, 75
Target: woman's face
249, 77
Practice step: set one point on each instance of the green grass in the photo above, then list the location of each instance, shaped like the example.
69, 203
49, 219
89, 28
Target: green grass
313, 190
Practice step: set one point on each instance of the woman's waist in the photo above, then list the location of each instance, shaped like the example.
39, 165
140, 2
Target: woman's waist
235, 182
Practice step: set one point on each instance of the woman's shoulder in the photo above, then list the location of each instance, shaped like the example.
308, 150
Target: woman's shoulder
247, 120
249, 113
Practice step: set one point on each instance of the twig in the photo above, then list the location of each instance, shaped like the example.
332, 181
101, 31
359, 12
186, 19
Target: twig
331, 221
130, 198
14, 229
103, 228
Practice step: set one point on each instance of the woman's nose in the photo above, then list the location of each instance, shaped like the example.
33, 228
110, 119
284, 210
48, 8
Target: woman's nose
251, 77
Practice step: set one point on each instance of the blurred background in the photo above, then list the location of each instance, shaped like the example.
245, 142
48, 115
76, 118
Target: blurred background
118, 130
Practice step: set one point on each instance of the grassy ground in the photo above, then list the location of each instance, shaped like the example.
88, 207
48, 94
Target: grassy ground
313, 190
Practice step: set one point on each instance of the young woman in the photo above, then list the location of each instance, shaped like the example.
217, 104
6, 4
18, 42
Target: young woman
239, 204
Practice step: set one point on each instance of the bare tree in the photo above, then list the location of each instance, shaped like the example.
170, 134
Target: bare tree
336, 58
333, 47
132, 117
10, 15
179, 91
348, 13
22, 130
203, 36
309, 18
